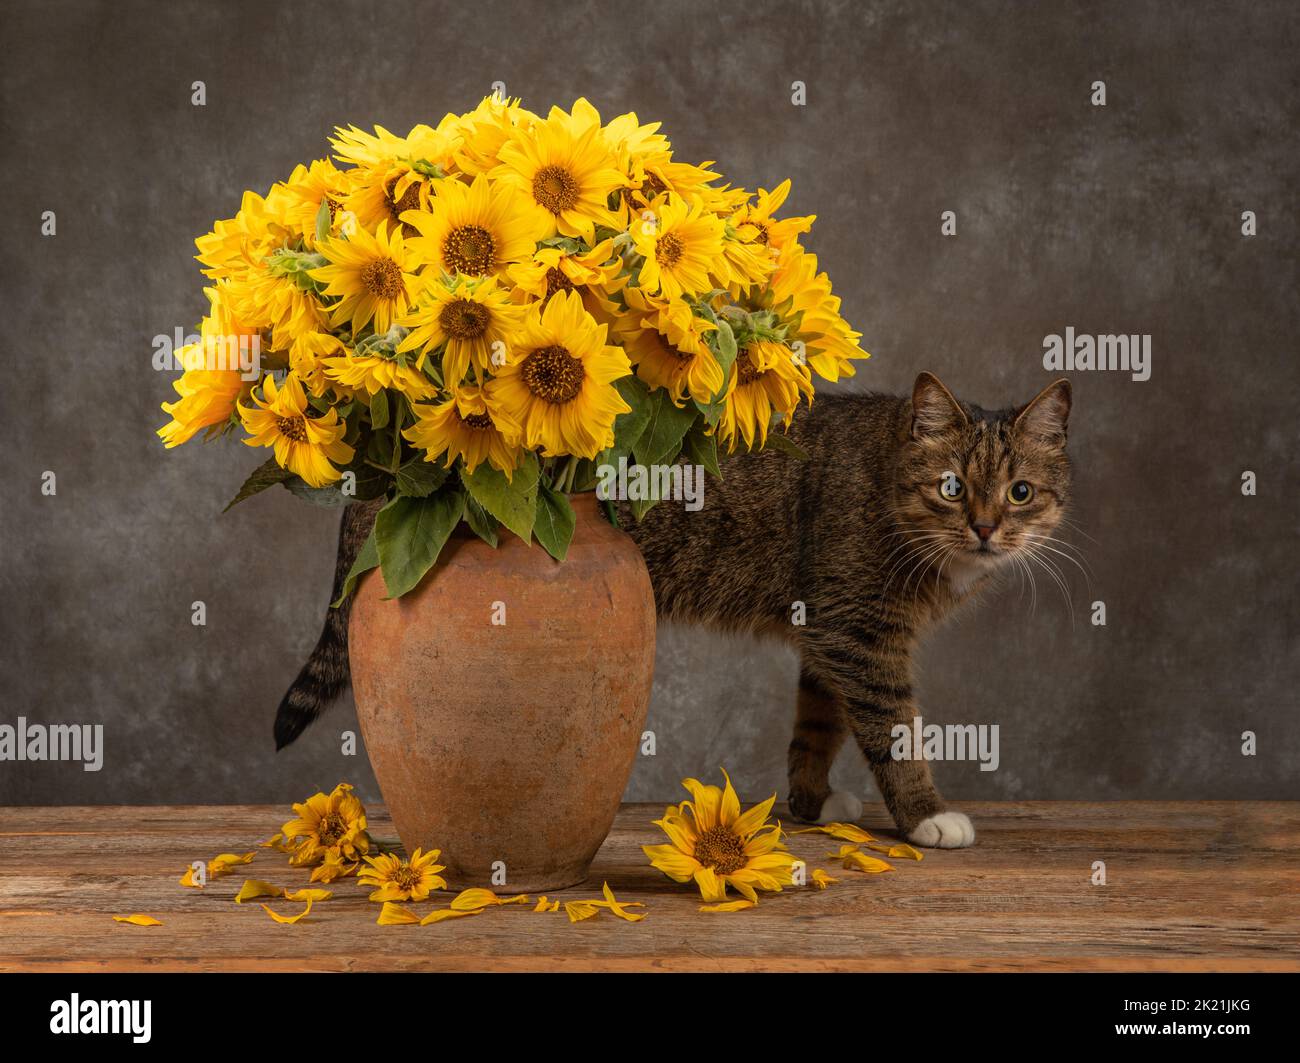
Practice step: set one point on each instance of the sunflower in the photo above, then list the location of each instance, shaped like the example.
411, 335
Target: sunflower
665, 343
475, 230
242, 242
371, 373
307, 355
269, 300
370, 275
682, 246
565, 170
333, 825
396, 879
804, 296
553, 269
307, 188
304, 445
646, 159
755, 222
766, 376
557, 390
717, 846
462, 427
482, 131
467, 318
213, 381
393, 174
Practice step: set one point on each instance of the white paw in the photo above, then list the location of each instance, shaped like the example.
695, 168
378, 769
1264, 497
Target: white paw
840, 807
947, 830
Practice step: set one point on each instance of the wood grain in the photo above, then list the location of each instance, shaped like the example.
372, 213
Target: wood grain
1192, 886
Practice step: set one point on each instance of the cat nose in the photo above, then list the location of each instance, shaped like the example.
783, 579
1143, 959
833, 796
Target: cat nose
983, 530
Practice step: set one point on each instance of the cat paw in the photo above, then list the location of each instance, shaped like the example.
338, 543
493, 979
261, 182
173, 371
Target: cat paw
840, 807
947, 830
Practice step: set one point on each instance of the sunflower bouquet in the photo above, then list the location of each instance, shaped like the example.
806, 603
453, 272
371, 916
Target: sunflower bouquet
472, 319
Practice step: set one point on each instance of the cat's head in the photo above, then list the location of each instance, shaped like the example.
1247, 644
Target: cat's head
979, 487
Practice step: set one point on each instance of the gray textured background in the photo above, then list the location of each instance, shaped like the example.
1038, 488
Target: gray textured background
1116, 219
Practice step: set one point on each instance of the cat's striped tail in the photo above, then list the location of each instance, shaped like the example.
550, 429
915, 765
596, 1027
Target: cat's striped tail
327, 672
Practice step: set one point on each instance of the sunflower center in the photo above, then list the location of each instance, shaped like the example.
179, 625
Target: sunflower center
469, 249
331, 828
745, 370
721, 849
410, 198
464, 319
477, 420
650, 188
553, 374
334, 207
555, 188
762, 231
668, 249
294, 428
382, 277
406, 877
557, 281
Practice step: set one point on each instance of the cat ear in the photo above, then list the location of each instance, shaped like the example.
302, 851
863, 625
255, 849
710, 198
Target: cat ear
1046, 415
934, 410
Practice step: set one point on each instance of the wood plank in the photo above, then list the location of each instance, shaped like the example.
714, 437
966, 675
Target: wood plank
1192, 886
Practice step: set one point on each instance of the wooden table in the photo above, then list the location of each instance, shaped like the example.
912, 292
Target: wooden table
1190, 887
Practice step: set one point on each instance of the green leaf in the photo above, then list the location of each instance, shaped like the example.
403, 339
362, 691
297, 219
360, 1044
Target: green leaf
410, 534
555, 521
323, 219
780, 441
419, 478
480, 521
268, 474
726, 347
702, 449
662, 438
512, 502
379, 409
628, 427
367, 558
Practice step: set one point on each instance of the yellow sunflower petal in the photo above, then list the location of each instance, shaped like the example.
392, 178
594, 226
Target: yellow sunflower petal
821, 880
844, 831
579, 910
729, 906
902, 851
137, 920
712, 888
308, 895
447, 913
253, 887
395, 915
286, 918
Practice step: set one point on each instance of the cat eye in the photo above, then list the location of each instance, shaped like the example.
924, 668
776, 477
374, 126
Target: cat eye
951, 488
1020, 492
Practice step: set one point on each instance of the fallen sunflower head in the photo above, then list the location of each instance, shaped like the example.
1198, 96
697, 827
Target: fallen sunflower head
713, 844
333, 823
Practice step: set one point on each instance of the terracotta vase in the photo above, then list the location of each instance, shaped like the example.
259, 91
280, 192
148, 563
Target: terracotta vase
508, 744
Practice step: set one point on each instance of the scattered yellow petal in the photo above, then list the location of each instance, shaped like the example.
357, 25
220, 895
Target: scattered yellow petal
844, 851
863, 862
469, 899
728, 906
395, 915
901, 851
555, 906
286, 918
447, 913
308, 895
844, 831
618, 909
579, 910
542, 906
187, 879
223, 864
821, 880
137, 920
256, 888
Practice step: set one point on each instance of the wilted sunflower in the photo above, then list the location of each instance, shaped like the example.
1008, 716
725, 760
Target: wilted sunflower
213, 382
391, 175
475, 230
370, 275
333, 823
304, 445
557, 390
766, 377
310, 186
565, 171
371, 373
396, 879
469, 317
665, 343
462, 427
803, 294
717, 846
681, 244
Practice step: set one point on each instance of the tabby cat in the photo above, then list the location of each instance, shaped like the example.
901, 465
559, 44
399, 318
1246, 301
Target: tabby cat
904, 509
